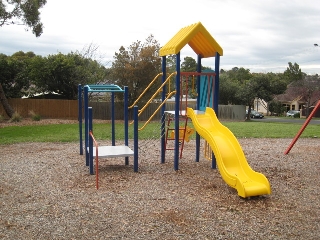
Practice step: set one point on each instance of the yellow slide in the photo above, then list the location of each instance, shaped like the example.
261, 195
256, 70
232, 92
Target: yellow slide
230, 158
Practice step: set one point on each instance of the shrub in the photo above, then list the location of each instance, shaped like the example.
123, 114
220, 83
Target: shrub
1, 118
16, 117
34, 116
296, 115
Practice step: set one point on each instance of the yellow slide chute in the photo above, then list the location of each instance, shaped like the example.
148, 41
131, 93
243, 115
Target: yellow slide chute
230, 158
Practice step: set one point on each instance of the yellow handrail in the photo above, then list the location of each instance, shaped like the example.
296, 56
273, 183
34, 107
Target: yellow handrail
155, 94
156, 77
169, 95
164, 101
150, 86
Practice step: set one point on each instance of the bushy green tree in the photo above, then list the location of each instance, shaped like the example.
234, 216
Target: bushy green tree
293, 73
276, 107
22, 13
14, 80
227, 90
62, 73
189, 64
239, 86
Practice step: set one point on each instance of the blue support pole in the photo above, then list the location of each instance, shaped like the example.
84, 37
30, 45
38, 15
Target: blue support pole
217, 83
86, 132
80, 117
177, 112
216, 99
164, 75
135, 147
198, 107
90, 141
126, 120
112, 120
198, 81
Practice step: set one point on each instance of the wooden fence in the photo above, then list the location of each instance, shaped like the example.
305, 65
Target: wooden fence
46, 108
68, 109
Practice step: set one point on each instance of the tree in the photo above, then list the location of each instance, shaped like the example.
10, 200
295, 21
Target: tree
13, 78
62, 74
239, 86
293, 73
227, 90
263, 86
4, 74
230, 83
136, 67
276, 107
188, 65
22, 13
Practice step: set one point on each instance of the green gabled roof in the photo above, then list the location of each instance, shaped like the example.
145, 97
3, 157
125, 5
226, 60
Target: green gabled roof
198, 38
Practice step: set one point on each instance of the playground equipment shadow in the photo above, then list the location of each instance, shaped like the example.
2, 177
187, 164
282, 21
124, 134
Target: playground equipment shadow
47, 193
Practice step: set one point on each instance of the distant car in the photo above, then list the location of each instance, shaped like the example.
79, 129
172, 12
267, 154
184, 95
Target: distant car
255, 114
291, 113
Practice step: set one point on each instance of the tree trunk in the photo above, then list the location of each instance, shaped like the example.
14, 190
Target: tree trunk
4, 101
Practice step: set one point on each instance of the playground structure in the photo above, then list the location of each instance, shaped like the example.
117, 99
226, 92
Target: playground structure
224, 147
105, 151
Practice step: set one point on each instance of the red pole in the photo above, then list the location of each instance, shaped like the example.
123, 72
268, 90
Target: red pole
97, 159
302, 128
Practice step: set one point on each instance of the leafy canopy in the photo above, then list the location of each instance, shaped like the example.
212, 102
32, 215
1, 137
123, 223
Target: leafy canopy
22, 12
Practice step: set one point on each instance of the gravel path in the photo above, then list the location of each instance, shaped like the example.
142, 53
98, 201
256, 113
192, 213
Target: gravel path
46, 192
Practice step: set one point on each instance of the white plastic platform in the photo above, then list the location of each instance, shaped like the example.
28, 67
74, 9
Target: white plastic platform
183, 112
113, 151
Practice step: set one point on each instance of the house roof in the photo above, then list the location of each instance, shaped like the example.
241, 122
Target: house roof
197, 37
294, 93
290, 95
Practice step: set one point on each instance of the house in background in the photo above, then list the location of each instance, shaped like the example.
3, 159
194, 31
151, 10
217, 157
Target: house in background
296, 98
292, 99
260, 106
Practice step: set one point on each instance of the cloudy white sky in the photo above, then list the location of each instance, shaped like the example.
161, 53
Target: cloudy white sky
261, 35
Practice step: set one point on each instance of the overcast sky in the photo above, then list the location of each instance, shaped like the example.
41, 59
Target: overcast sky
261, 35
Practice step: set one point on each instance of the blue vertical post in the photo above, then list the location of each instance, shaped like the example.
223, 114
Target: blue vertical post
126, 120
135, 139
80, 117
217, 83
198, 107
90, 141
176, 113
198, 81
112, 120
164, 75
86, 132
216, 98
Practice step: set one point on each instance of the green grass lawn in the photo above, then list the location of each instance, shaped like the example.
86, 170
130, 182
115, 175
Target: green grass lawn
70, 132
